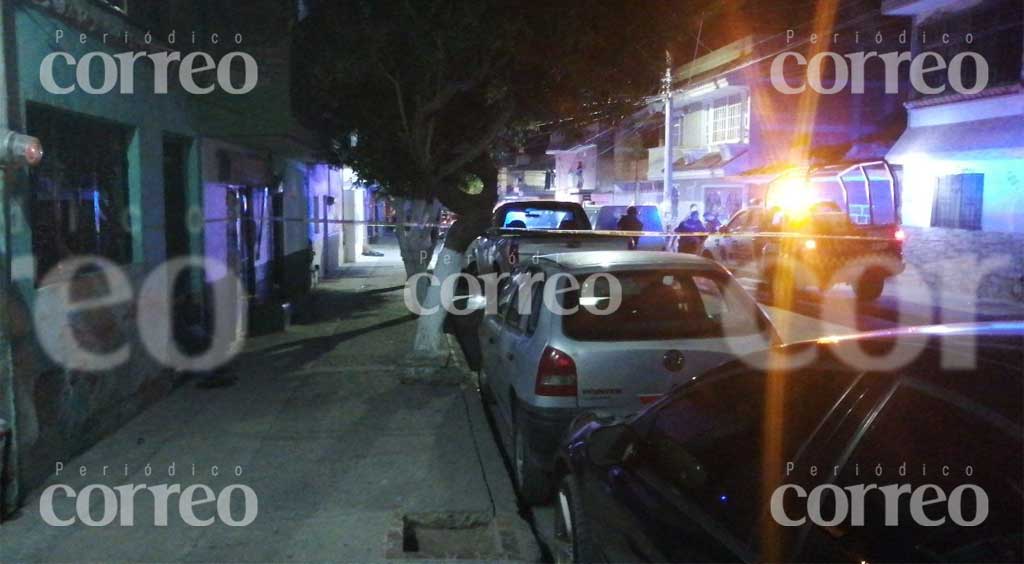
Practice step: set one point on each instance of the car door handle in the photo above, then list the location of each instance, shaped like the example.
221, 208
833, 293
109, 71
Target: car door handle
510, 356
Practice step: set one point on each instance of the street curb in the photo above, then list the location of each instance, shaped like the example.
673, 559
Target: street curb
512, 529
503, 495
454, 372
491, 460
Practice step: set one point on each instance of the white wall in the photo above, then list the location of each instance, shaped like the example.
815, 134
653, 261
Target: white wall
354, 209
1003, 196
324, 182
566, 163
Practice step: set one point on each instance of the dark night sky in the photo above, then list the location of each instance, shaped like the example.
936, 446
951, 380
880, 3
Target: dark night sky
728, 20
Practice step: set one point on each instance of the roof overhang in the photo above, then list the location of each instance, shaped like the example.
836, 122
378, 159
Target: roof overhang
995, 138
573, 149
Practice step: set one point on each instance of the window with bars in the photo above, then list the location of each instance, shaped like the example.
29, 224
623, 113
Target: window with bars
80, 190
677, 131
728, 120
958, 201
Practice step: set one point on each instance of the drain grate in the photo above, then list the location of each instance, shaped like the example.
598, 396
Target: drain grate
451, 536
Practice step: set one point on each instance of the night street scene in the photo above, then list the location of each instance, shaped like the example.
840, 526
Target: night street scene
511, 280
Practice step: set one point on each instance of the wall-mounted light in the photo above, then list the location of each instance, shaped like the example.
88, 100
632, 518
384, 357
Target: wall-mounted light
353, 139
17, 149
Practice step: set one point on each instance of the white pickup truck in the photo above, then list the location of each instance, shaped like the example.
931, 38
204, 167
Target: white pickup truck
522, 230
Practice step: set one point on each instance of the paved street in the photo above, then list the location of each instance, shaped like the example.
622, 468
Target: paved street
349, 464
813, 314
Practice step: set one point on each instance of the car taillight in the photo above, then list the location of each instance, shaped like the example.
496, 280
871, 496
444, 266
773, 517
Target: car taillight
648, 399
556, 374
900, 235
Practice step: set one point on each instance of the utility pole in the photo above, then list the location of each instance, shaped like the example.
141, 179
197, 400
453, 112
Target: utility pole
666, 87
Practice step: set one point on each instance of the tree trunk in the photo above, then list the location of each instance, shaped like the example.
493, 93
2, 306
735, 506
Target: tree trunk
416, 221
429, 343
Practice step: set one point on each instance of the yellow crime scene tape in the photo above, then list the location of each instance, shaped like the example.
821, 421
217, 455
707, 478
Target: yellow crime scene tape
608, 232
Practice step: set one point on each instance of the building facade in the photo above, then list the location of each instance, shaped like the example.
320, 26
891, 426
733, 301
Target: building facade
119, 174
963, 154
604, 164
734, 131
131, 181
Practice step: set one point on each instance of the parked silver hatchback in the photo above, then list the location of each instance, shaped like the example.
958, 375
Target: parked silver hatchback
604, 331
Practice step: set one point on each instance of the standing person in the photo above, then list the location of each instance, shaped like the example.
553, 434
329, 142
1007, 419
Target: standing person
631, 222
711, 222
691, 224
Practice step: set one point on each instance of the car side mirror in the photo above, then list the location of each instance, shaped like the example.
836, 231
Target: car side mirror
609, 445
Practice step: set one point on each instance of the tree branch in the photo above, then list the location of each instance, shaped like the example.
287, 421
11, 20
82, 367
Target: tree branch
482, 143
398, 97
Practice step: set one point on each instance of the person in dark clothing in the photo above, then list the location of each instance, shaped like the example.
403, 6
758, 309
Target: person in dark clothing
711, 222
691, 224
631, 222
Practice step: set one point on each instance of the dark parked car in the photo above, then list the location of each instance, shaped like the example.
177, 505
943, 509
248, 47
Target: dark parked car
814, 460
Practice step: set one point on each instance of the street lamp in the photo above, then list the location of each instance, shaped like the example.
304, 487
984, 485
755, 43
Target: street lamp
18, 150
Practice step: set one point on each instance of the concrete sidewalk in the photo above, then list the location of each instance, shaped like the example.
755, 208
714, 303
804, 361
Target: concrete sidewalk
347, 462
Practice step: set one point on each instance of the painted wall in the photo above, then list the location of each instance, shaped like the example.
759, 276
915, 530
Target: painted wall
324, 183
1003, 198
59, 411
999, 158
566, 163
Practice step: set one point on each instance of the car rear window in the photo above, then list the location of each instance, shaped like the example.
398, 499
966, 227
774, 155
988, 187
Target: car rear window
660, 304
609, 216
544, 218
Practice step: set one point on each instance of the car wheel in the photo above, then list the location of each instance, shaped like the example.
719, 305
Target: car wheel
531, 481
869, 287
572, 531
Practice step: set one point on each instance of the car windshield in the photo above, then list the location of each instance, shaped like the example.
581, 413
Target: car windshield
544, 218
659, 304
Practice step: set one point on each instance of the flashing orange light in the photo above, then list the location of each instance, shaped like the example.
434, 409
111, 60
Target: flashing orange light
792, 195
810, 244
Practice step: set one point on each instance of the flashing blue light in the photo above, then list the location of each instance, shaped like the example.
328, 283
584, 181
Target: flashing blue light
723, 498
97, 216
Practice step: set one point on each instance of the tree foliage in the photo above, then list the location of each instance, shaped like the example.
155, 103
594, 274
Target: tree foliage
432, 88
